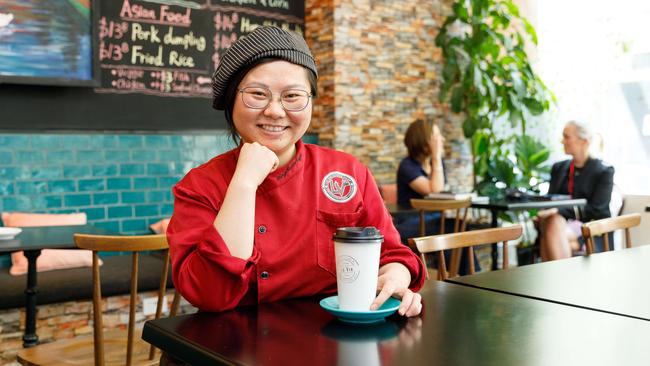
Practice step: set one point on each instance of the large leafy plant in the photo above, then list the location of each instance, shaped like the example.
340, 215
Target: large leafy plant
487, 76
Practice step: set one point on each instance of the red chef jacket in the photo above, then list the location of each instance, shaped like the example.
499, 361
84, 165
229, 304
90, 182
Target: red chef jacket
298, 208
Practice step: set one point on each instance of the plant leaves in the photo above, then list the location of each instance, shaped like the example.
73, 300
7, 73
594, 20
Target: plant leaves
539, 157
512, 8
515, 117
457, 96
517, 83
481, 143
461, 11
530, 30
534, 107
488, 76
470, 125
503, 171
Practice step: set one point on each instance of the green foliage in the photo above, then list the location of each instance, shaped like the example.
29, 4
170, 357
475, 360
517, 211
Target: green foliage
487, 76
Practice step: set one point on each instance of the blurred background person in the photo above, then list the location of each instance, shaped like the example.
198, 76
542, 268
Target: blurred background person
582, 176
419, 174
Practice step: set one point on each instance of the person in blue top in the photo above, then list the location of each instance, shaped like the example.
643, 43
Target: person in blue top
420, 173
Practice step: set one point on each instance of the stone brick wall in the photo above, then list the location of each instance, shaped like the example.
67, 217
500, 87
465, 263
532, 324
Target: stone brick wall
70, 319
319, 33
380, 67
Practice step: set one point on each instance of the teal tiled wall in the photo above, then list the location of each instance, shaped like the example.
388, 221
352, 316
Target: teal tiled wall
121, 181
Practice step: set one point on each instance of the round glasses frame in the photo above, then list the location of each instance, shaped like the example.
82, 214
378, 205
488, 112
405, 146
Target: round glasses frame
268, 100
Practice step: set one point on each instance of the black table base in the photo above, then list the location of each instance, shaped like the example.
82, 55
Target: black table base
30, 338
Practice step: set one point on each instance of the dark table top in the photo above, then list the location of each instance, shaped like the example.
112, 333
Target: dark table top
615, 281
501, 205
394, 208
48, 237
507, 205
459, 326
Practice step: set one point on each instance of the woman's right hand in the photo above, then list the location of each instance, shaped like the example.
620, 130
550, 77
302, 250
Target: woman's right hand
436, 143
255, 163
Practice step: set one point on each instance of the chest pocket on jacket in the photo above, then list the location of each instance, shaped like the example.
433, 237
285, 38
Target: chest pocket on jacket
326, 225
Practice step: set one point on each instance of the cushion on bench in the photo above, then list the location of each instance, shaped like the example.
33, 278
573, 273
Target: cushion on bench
50, 259
77, 283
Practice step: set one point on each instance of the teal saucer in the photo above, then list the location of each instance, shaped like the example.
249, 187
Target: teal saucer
331, 304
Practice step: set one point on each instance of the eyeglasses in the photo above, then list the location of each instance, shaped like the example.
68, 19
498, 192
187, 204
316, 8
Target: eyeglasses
293, 100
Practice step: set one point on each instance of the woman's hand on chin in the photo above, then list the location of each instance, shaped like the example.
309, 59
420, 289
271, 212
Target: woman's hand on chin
255, 163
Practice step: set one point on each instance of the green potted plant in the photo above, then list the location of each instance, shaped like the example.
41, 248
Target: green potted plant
487, 76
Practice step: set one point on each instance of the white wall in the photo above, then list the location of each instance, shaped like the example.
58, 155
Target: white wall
640, 235
595, 56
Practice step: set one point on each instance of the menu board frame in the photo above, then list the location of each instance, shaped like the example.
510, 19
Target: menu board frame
93, 81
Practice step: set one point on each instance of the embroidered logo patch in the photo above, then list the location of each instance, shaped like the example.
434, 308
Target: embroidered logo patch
339, 187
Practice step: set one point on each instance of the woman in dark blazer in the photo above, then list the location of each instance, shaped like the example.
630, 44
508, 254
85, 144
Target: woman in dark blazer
581, 177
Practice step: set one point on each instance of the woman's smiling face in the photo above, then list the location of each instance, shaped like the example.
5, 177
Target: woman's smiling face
273, 126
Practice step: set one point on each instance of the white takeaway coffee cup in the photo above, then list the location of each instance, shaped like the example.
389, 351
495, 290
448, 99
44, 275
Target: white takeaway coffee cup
357, 266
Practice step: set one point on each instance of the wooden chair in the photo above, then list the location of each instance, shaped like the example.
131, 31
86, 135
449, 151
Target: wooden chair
115, 347
388, 192
438, 243
604, 226
459, 209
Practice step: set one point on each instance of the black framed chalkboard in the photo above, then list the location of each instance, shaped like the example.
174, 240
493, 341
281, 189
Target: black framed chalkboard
48, 42
155, 60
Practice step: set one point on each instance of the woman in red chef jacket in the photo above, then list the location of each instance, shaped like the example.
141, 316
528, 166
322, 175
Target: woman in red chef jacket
255, 224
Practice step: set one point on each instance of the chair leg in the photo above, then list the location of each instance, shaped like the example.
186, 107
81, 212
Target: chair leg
175, 303
442, 268
472, 265
132, 301
454, 263
98, 326
628, 239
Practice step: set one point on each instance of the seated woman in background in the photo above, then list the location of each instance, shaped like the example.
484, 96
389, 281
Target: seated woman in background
581, 177
419, 174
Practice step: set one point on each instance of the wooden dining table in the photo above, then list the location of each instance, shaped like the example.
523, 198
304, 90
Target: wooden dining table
31, 241
614, 282
459, 325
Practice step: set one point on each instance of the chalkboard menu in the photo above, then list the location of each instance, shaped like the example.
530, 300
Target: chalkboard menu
155, 58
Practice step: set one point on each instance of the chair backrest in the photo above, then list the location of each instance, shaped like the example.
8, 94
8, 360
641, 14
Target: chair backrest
460, 209
604, 226
160, 227
427, 205
135, 245
438, 243
388, 192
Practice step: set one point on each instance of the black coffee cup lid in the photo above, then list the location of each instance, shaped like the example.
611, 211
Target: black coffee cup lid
358, 234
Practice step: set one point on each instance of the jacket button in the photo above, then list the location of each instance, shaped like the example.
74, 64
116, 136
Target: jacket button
264, 275
261, 229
